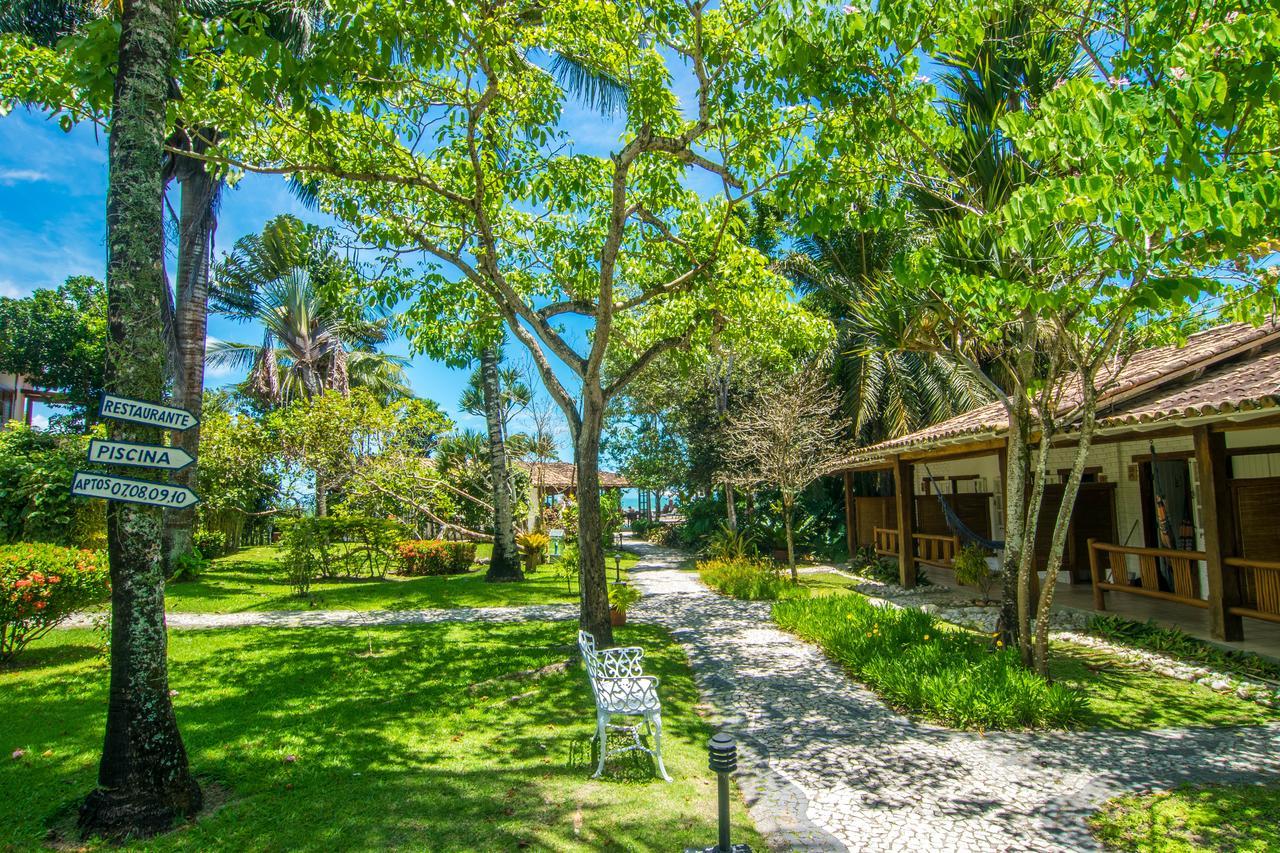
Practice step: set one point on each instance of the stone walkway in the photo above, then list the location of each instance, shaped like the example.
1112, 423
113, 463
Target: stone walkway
827, 766
358, 618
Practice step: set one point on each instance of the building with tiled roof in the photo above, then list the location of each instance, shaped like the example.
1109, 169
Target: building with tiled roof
1182, 484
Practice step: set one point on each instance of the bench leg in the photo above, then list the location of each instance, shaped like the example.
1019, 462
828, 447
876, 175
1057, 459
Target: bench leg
657, 744
602, 733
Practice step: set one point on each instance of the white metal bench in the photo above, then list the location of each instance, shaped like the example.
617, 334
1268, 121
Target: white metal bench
622, 689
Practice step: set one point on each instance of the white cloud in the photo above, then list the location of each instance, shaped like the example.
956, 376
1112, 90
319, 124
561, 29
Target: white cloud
9, 177
11, 290
40, 421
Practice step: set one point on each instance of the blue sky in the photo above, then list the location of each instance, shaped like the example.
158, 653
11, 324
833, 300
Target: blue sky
52, 223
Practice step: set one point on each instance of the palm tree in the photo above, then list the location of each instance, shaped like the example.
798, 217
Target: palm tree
885, 393
311, 343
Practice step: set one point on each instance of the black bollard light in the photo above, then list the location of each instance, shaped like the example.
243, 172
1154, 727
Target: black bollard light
723, 760
617, 568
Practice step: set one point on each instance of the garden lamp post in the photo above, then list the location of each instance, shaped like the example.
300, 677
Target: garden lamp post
617, 568
723, 760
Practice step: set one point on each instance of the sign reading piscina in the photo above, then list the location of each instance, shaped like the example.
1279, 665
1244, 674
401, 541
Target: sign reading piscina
142, 412
88, 484
138, 455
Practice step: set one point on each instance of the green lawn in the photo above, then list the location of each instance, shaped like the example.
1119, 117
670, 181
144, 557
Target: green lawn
253, 580
827, 583
392, 749
1243, 818
1125, 697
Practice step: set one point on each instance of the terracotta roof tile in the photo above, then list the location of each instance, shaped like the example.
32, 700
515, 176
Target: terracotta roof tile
1235, 386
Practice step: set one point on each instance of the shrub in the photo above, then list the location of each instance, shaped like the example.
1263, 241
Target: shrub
748, 578
36, 504
1181, 645
726, 544
971, 569
922, 665
533, 548
40, 585
435, 557
567, 566
641, 526
335, 546
869, 564
188, 565
622, 596
210, 543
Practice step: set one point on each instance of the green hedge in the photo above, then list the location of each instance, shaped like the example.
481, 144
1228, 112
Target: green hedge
927, 667
435, 557
337, 546
40, 585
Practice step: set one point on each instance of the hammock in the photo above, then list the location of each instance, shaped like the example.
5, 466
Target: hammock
957, 526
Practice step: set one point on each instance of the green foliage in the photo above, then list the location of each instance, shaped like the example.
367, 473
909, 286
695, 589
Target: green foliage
926, 667
748, 578
972, 569
36, 505
870, 564
40, 585
435, 556
1179, 644
335, 546
188, 566
622, 596
611, 517
57, 340
210, 543
731, 545
568, 566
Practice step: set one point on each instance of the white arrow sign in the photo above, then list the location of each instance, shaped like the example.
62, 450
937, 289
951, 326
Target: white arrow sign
142, 412
138, 455
90, 485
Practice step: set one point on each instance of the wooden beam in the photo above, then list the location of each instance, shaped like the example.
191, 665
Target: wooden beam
904, 492
850, 532
1218, 521
986, 447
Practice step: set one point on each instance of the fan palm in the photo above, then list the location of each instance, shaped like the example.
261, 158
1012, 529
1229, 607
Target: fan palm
886, 393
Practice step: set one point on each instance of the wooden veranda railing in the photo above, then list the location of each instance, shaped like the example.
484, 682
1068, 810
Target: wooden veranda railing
1109, 566
930, 549
885, 541
1259, 588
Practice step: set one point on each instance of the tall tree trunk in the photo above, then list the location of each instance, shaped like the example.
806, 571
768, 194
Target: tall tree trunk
504, 565
1062, 525
593, 581
730, 509
322, 496
191, 310
1030, 529
788, 519
1017, 472
144, 781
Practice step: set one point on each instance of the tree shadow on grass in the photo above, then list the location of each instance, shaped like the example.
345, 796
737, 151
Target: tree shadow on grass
371, 738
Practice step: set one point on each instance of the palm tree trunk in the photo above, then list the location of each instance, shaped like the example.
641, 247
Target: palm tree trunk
199, 192
504, 564
144, 781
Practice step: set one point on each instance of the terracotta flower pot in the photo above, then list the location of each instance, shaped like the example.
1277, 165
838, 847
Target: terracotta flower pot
617, 617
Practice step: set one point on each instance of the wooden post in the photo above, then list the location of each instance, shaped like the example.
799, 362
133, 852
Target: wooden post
850, 534
1095, 572
1218, 520
904, 488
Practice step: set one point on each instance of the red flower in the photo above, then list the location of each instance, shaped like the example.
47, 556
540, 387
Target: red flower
22, 583
40, 605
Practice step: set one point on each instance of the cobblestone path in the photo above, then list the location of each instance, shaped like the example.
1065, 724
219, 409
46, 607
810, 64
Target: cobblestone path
827, 766
359, 618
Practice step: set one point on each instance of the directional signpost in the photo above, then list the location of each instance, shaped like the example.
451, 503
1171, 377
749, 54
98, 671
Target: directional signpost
139, 455
90, 484
149, 414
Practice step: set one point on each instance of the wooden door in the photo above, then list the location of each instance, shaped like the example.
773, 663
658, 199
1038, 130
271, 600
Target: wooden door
1092, 517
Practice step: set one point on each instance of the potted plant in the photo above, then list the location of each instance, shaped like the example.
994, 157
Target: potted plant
533, 548
621, 596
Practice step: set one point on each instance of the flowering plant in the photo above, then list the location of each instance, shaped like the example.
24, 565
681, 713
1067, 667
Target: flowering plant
41, 585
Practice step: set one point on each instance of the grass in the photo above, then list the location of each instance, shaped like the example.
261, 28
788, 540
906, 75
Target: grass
952, 676
828, 583
924, 667
394, 749
1126, 697
1244, 818
748, 578
253, 580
